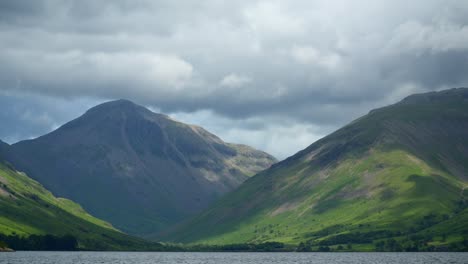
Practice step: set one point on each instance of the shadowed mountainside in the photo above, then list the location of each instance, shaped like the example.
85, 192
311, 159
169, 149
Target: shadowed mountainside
139, 170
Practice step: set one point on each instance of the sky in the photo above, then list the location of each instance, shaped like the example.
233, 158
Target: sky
276, 75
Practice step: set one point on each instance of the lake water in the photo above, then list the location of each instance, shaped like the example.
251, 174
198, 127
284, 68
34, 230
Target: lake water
228, 258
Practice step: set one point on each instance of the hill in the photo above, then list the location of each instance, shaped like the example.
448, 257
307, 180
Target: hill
27, 208
139, 170
394, 179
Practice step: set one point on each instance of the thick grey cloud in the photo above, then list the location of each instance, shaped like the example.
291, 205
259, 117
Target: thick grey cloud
25, 116
275, 74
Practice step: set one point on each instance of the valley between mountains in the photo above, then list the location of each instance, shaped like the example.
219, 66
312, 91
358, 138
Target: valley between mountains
393, 180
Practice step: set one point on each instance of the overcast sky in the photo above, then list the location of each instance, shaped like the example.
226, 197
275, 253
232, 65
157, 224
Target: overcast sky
276, 75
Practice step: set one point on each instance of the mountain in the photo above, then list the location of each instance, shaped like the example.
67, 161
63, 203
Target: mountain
27, 208
139, 170
4, 147
399, 172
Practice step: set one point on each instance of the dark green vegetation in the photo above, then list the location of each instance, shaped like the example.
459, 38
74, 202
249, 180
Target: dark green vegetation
394, 179
4, 247
242, 247
38, 242
138, 170
32, 218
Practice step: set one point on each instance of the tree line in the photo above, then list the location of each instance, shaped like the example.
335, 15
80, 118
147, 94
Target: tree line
40, 242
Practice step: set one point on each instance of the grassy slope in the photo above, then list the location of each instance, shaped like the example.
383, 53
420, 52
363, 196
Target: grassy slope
27, 208
394, 170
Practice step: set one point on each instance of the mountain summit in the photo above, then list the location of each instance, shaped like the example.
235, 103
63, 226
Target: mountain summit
139, 170
400, 172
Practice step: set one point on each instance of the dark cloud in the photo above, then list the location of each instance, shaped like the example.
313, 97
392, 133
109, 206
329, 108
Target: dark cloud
13, 11
25, 116
263, 65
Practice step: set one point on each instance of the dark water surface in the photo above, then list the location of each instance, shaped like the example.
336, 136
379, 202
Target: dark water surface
227, 258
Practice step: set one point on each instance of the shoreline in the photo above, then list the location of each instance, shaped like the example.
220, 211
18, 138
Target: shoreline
6, 250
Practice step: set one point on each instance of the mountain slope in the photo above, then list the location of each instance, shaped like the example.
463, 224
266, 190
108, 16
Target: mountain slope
4, 147
139, 170
398, 172
26, 208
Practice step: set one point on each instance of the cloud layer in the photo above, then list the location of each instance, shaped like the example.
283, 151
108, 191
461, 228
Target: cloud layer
299, 68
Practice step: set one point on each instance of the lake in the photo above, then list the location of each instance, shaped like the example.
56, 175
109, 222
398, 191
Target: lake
227, 258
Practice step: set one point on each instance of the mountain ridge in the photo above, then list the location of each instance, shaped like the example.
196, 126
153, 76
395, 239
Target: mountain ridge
141, 171
408, 159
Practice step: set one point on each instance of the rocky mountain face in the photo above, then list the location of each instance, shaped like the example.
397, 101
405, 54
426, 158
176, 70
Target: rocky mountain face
139, 170
399, 172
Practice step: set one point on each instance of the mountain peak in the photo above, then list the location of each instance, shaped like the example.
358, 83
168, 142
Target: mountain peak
129, 165
122, 109
120, 104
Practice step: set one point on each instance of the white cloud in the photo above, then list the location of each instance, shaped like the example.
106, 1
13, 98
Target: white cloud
234, 80
310, 55
281, 138
148, 68
295, 65
101, 72
271, 17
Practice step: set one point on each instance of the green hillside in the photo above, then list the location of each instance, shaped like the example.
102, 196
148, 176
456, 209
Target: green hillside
394, 179
26, 208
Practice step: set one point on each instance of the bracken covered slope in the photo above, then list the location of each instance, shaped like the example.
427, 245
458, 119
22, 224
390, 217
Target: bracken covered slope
399, 172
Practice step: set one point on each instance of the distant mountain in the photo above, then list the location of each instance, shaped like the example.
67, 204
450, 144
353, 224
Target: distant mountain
400, 172
139, 170
3, 150
26, 208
